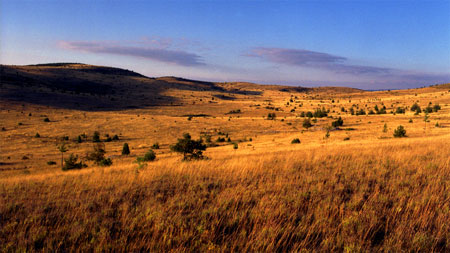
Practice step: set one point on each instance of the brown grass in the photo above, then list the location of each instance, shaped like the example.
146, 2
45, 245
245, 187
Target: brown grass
358, 190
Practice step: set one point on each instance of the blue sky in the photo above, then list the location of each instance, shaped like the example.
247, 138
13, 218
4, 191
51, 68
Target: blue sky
364, 44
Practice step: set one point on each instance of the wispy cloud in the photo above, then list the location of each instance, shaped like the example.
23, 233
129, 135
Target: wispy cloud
161, 53
307, 58
377, 76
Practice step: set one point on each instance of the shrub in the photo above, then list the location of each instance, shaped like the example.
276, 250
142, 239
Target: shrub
271, 116
295, 141
51, 163
115, 137
400, 132
98, 155
436, 108
46, 120
105, 162
400, 110
96, 137
235, 146
339, 122
320, 113
156, 145
416, 108
428, 109
37, 135
361, 112
125, 149
79, 140
149, 156
309, 114
71, 163
307, 123
191, 149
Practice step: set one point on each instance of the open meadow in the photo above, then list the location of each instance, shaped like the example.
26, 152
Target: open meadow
285, 168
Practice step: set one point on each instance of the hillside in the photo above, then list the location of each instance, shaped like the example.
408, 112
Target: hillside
87, 87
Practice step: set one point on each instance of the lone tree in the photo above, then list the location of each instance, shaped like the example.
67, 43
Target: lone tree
191, 149
400, 132
125, 149
62, 148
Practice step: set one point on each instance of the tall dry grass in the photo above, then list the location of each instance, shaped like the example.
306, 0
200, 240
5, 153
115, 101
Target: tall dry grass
390, 196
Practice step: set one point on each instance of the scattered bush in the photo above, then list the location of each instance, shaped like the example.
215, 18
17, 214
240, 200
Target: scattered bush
98, 155
37, 135
416, 108
307, 123
156, 145
46, 120
400, 110
191, 149
271, 116
400, 132
339, 122
295, 141
320, 113
96, 137
125, 149
71, 163
51, 163
436, 108
148, 157
115, 137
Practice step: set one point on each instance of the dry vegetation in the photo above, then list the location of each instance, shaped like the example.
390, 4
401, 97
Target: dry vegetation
351, 188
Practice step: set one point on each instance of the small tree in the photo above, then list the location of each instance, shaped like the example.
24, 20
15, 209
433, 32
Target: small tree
339, 122
295, 141
400, 132
385, 128
98, 155
96, 137
191, 149
125, 149
71, 163
62, 148
307, 123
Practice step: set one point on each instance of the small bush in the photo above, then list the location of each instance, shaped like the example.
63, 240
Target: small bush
295, 141
235, 146
51, 163
416, 108
400, 110
105, 162
400, 132
339, 122
37, 135
156, 145
307, 123
191, 149
149, 156
125, 149
271, 116
115, 137
96, 137
46, 120
72, 164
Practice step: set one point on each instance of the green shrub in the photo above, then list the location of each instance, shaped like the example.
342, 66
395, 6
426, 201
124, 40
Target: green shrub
416, 108
46, 120
156, 145
400, 110
96, 137
149, 156
339, 122
71, 163
307, 123
295, 141
191, 149
115, 137
51, 163
37, 135
235, 146
271, 116
400, 132
125, 149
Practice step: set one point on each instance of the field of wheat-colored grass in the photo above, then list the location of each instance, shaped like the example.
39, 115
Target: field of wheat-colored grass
351, 188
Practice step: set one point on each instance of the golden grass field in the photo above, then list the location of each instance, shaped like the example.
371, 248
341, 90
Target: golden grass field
360, 189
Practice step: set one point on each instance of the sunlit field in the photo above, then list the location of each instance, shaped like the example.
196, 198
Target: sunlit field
352, 186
